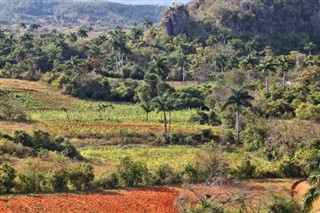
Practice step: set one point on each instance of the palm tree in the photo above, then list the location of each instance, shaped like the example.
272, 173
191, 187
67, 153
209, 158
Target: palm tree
250, 46
164, 103
147, 23
182, 62
34, 27
23, 25
2, 35
221, 60
313, 168
74, 62
72, 36
266, 67
239, 98
82, 33
309, 47
249, 63
147, 107
285, 63
10, 41
136, 33
159, 66
118, 41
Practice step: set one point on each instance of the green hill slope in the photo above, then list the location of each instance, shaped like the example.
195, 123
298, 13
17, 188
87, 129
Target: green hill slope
66, 13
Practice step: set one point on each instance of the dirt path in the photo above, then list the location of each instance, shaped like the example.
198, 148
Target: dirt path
152, 200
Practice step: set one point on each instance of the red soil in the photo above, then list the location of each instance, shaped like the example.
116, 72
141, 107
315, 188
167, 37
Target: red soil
299, 192
154, 200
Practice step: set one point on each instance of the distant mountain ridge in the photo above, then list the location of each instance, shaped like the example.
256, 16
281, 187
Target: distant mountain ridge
66, 13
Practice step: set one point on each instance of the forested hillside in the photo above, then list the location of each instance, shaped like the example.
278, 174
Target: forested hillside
76, 13
285, 24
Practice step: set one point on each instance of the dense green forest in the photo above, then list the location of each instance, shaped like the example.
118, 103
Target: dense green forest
102, 15
238, 85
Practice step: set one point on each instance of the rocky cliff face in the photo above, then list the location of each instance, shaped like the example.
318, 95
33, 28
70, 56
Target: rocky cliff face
176, 21
246, 18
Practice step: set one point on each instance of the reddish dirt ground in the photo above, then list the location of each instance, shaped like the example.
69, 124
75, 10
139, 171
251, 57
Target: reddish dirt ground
154, 200
300, 190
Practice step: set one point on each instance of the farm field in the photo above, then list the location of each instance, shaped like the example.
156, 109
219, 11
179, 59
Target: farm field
151, 200
157, 199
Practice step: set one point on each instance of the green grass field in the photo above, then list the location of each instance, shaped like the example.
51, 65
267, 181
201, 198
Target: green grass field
175, 156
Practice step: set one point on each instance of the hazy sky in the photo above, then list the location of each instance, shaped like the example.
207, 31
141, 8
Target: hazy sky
158, 2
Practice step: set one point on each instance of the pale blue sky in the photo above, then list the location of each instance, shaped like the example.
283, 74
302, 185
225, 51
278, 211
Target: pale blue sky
157, 2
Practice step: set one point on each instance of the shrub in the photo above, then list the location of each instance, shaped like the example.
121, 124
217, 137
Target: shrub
228, 137
25, 184
133, 173
280, 204
254, 137
41, 141
7, 175
178, 138
246, 169
23, 138
193, 174
59, 180
290, 169
309, 112
112, 181
164, 174
17, 150
81, 177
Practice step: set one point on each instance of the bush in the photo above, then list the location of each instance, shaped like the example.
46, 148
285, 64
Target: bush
133, 173
17, 150
33, 181
81, 177
21, 137
59, 180
111, 181
193, 174
165, 175
41, 140
309, 112
290, 169
178, 139
7, 175
281, 204
246, 169
254, 137
228, 137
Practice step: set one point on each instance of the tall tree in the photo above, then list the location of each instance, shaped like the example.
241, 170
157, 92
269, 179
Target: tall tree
147, 23
266, 67
10, 41
240, 98
309, 47
82, 33
249, 63
72, 36
147, 107
159, 66
285, 63
34, 27
2, 35
163, 103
